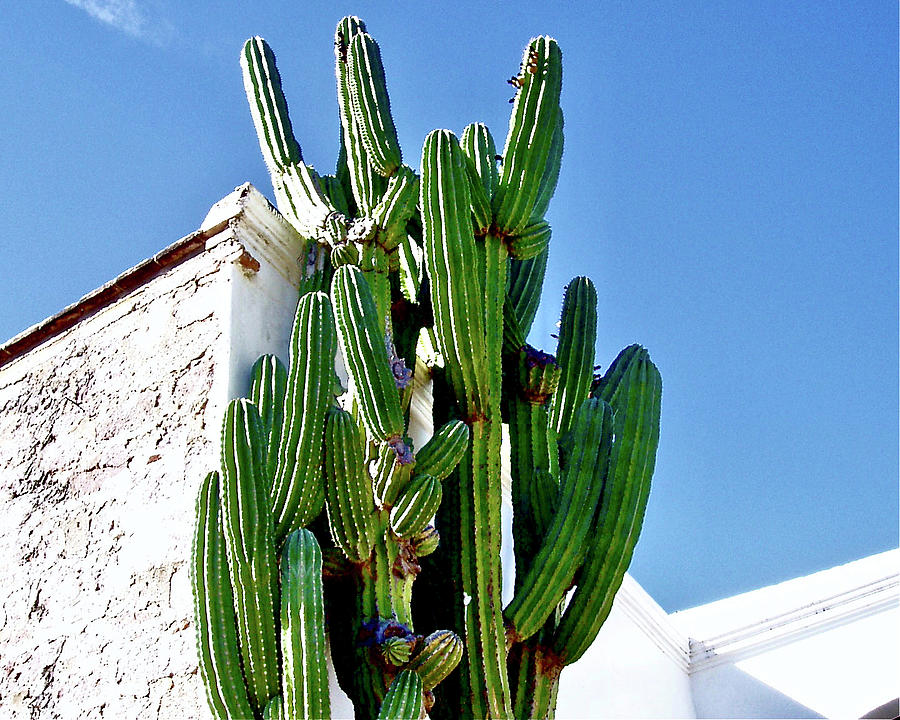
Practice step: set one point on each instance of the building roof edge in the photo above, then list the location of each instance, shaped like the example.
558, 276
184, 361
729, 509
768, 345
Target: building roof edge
222, 214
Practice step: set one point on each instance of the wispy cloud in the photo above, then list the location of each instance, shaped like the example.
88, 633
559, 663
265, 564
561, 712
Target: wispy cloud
129, 17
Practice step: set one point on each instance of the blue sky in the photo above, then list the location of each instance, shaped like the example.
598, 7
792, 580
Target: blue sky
729, 183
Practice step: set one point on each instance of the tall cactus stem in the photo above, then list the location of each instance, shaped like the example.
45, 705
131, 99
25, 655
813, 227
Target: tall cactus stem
305, 677
484, 678
214, 619
370, 104
252, 562
636, 400
366, 184
297, 493
577, 336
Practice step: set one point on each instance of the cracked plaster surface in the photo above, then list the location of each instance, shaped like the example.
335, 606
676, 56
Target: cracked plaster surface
102, 446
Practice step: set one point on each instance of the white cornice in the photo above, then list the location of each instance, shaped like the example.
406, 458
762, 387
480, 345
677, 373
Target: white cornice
253, 221
651, 619
810, 619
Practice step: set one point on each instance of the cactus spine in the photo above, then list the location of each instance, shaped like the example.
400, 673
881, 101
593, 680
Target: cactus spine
323, 506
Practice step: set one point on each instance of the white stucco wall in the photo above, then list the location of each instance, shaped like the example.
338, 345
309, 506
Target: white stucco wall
636, 668
103, 439
106, 430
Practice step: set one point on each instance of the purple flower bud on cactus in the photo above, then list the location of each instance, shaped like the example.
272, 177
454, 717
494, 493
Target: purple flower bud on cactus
402, 374
401, 449
312, 257
535, 357
375, 632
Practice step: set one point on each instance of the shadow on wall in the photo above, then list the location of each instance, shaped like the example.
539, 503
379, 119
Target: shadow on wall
727, 691
889, 711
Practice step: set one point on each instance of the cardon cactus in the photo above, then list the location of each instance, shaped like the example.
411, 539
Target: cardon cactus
324, 516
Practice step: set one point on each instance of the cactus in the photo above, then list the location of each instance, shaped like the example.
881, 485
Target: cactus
325, 512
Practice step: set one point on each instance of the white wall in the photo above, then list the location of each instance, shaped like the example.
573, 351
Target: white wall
636, 668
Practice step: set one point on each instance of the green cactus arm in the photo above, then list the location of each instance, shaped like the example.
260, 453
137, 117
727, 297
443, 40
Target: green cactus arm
530, 137
523, 295
348, 489
557, 561
442, 453
217, 643
262, 83
367, 185
551, 171
334, 190
457, 295
532, 241
396, 207
297, 493
478, 145
249, 535
607, 386
425, 541
390, 473
577, 337
404, 699
305, 676
416, 505
636, 401
362, 340
268, 386
299, 196
440, 654
371, 104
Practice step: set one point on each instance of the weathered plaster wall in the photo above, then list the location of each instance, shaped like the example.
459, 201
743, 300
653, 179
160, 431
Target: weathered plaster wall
105, 432
103, 438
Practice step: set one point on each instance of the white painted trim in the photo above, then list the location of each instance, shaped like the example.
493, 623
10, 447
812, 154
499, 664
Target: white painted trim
813, 618
653, 621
